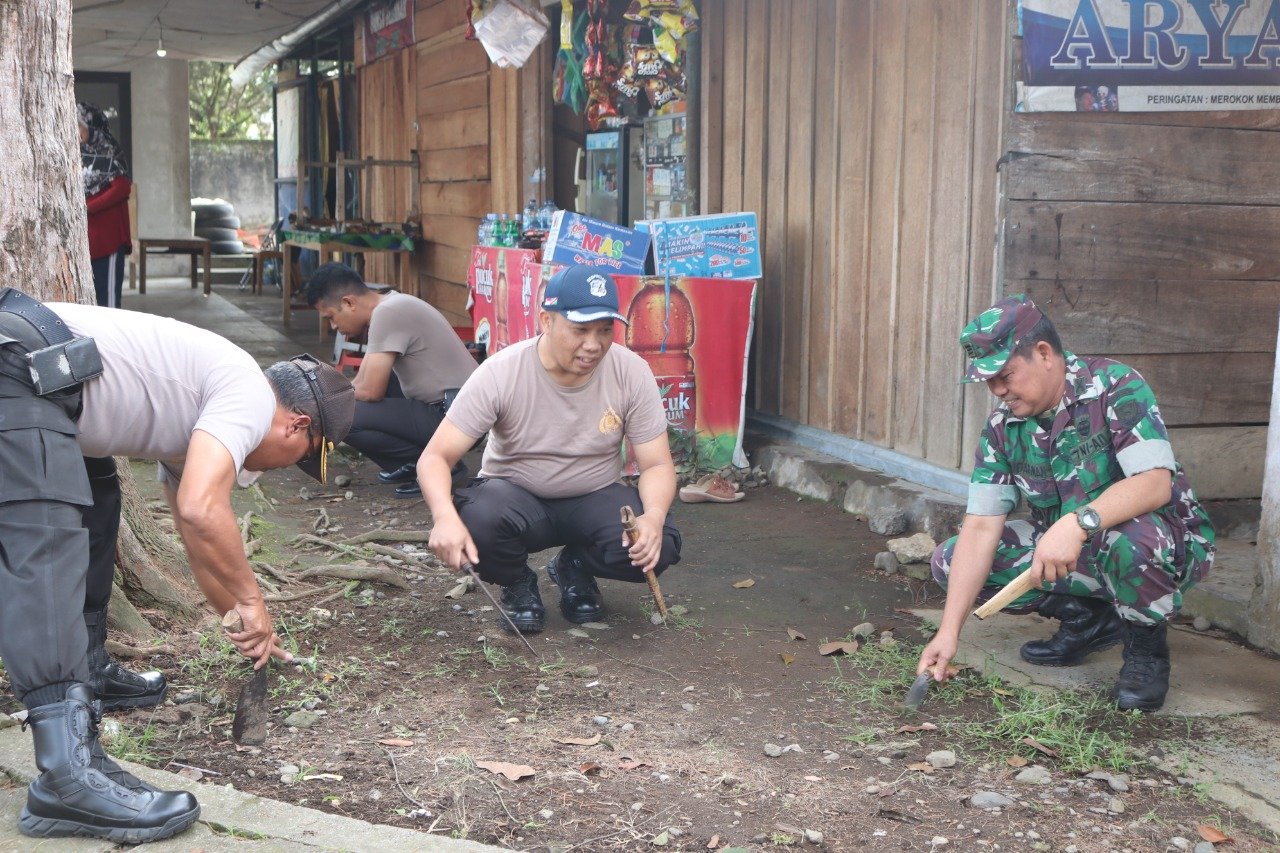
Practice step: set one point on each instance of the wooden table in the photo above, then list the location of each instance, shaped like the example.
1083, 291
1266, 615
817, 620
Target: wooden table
328, 245
192, 246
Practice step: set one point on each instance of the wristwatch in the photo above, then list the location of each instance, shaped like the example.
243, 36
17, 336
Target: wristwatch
1090, 521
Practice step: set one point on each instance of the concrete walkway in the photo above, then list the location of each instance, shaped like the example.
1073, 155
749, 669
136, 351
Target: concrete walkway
229, 819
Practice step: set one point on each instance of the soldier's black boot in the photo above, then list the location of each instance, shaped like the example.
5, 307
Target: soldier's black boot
115, 686
1144, 678
1086, 625
522, 602
580, 599
71, 798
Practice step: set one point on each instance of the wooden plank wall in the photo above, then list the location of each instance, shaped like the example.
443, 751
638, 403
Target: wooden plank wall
386, 132
1150, 238
865, 133
474, 156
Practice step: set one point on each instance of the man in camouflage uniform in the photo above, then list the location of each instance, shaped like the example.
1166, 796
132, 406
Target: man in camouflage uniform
1115, 534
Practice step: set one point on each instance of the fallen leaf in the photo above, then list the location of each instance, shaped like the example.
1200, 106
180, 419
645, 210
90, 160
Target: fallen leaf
795, 635
923, 727
1016, 761
192, 773
1213, 835
813, 778
714, 842
954, 669
628, 763
1032, 742
661, 839
395, 741
894, 814
922, 766
579, 741
331, 776
838, 647
906, 610
589, 768
786, 658
1000, 691
746, 584
513, 772
460, 589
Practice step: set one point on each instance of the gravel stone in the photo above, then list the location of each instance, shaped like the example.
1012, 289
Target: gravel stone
1033, 775
913, 549
772, 750
601, 720
888, 522
989, 800
941, 758
302, 719
886, 562
866, 629
1200, 623
1180, 842
813, 836
1204, 847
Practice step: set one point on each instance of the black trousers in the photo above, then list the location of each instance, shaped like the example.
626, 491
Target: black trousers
108, 278
394, 431
508, 522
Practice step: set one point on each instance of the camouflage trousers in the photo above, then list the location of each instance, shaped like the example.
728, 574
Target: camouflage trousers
1142, 566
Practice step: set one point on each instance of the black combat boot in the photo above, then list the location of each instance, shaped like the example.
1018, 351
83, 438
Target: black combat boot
580, 599
1144, 678
71, 798
115, 686
1087, 625
523, 604
403, 474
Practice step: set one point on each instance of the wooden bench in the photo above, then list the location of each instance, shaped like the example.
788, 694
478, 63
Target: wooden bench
193, 246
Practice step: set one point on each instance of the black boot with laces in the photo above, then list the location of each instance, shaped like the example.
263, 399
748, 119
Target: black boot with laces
1144, 678
115, 686
1086, 625
522, 602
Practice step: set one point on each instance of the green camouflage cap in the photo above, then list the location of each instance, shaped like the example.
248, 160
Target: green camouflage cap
993, 335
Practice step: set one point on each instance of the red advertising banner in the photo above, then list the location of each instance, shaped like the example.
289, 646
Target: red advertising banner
388, 27
693, 332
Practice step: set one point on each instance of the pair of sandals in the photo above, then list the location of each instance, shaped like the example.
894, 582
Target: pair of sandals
712, 488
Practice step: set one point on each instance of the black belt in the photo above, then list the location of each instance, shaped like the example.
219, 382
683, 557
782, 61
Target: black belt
47, 323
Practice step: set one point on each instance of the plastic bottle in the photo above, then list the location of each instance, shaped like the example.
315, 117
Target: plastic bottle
531, 215
489, 225
668, 354
501, 334
548, 210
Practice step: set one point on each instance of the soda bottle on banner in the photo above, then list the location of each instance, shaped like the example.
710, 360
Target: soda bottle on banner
661, 331
501, 337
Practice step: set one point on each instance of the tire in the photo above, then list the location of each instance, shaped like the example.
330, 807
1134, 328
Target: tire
213, 208
203, 221
218, 234
226, 247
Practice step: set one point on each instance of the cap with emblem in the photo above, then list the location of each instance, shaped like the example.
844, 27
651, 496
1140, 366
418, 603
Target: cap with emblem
994, 334
583, 294
336, 403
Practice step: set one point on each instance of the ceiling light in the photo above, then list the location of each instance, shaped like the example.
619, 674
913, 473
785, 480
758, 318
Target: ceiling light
160, 51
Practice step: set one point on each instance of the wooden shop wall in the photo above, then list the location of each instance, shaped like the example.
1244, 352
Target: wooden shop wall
866, 135
1151, 239
478, 136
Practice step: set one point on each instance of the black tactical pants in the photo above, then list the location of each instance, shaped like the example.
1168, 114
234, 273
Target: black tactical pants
508, 522
44, 547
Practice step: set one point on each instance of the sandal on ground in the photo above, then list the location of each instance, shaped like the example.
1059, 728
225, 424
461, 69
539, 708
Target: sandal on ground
712, 488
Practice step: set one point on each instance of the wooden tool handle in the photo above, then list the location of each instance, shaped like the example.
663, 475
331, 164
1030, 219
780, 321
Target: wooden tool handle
1014, 589
630, 529
232, 623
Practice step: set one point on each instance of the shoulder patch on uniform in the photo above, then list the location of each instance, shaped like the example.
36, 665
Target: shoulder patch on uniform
1129, 412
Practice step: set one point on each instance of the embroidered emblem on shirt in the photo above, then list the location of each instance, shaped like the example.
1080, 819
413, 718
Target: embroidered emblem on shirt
609, 421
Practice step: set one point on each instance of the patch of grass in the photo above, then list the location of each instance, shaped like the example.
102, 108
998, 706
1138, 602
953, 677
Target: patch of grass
134, 743
551, 667
499, 658
393, 626
233, 832
1085, 729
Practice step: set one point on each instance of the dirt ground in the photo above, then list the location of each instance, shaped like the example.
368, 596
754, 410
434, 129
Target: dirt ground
626, 735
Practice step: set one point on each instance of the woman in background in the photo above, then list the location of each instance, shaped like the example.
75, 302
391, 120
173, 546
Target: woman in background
106, 190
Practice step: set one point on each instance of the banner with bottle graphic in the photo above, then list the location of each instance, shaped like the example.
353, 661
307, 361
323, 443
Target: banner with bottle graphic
693, 332
506, 287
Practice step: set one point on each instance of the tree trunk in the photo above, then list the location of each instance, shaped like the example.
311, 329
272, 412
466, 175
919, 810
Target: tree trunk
44, 251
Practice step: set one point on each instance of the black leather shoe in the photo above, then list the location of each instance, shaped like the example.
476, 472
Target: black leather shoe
522, 602
72, 798
409, 490
403, 474
1087, 625
1144, 678
580, 598
115, 686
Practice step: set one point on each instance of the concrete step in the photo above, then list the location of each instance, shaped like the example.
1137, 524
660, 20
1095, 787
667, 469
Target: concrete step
1223, 597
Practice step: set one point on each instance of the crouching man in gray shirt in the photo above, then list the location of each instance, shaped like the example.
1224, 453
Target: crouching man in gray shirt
155, 389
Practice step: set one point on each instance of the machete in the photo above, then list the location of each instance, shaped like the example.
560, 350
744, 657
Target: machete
471, 570
249, 725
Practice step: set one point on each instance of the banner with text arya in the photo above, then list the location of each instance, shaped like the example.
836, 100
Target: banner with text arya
1149, 55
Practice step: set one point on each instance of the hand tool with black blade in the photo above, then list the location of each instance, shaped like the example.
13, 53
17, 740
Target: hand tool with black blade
471, 570
919, 689
249, 725
630, 529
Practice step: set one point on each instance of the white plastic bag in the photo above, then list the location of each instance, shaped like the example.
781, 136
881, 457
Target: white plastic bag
509, 31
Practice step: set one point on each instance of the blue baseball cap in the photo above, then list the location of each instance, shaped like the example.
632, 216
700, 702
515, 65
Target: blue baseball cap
582, 294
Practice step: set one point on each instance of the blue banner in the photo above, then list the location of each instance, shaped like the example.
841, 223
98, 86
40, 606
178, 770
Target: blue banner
1149, 55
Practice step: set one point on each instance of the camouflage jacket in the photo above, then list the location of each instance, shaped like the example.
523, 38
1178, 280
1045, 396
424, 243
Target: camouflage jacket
1106, 427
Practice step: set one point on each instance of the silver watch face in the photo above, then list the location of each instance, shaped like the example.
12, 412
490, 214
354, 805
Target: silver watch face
1089, 519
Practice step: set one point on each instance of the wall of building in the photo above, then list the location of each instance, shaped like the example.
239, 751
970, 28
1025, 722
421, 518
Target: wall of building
866, 136
241, 172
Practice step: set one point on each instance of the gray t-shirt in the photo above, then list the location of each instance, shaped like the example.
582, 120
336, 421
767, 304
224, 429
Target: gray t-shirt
430, 358
554, 441
163, 379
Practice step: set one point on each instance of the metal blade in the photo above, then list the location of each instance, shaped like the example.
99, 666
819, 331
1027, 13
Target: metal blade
471, 570
249, 726
919, 689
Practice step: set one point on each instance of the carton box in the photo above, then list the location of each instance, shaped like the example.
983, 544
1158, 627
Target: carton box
578, 239
720, 245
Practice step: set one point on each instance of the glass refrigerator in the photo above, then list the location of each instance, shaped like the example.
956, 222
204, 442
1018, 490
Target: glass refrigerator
606, 176
670, 187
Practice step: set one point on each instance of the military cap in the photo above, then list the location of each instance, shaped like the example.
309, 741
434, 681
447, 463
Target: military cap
991, 337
